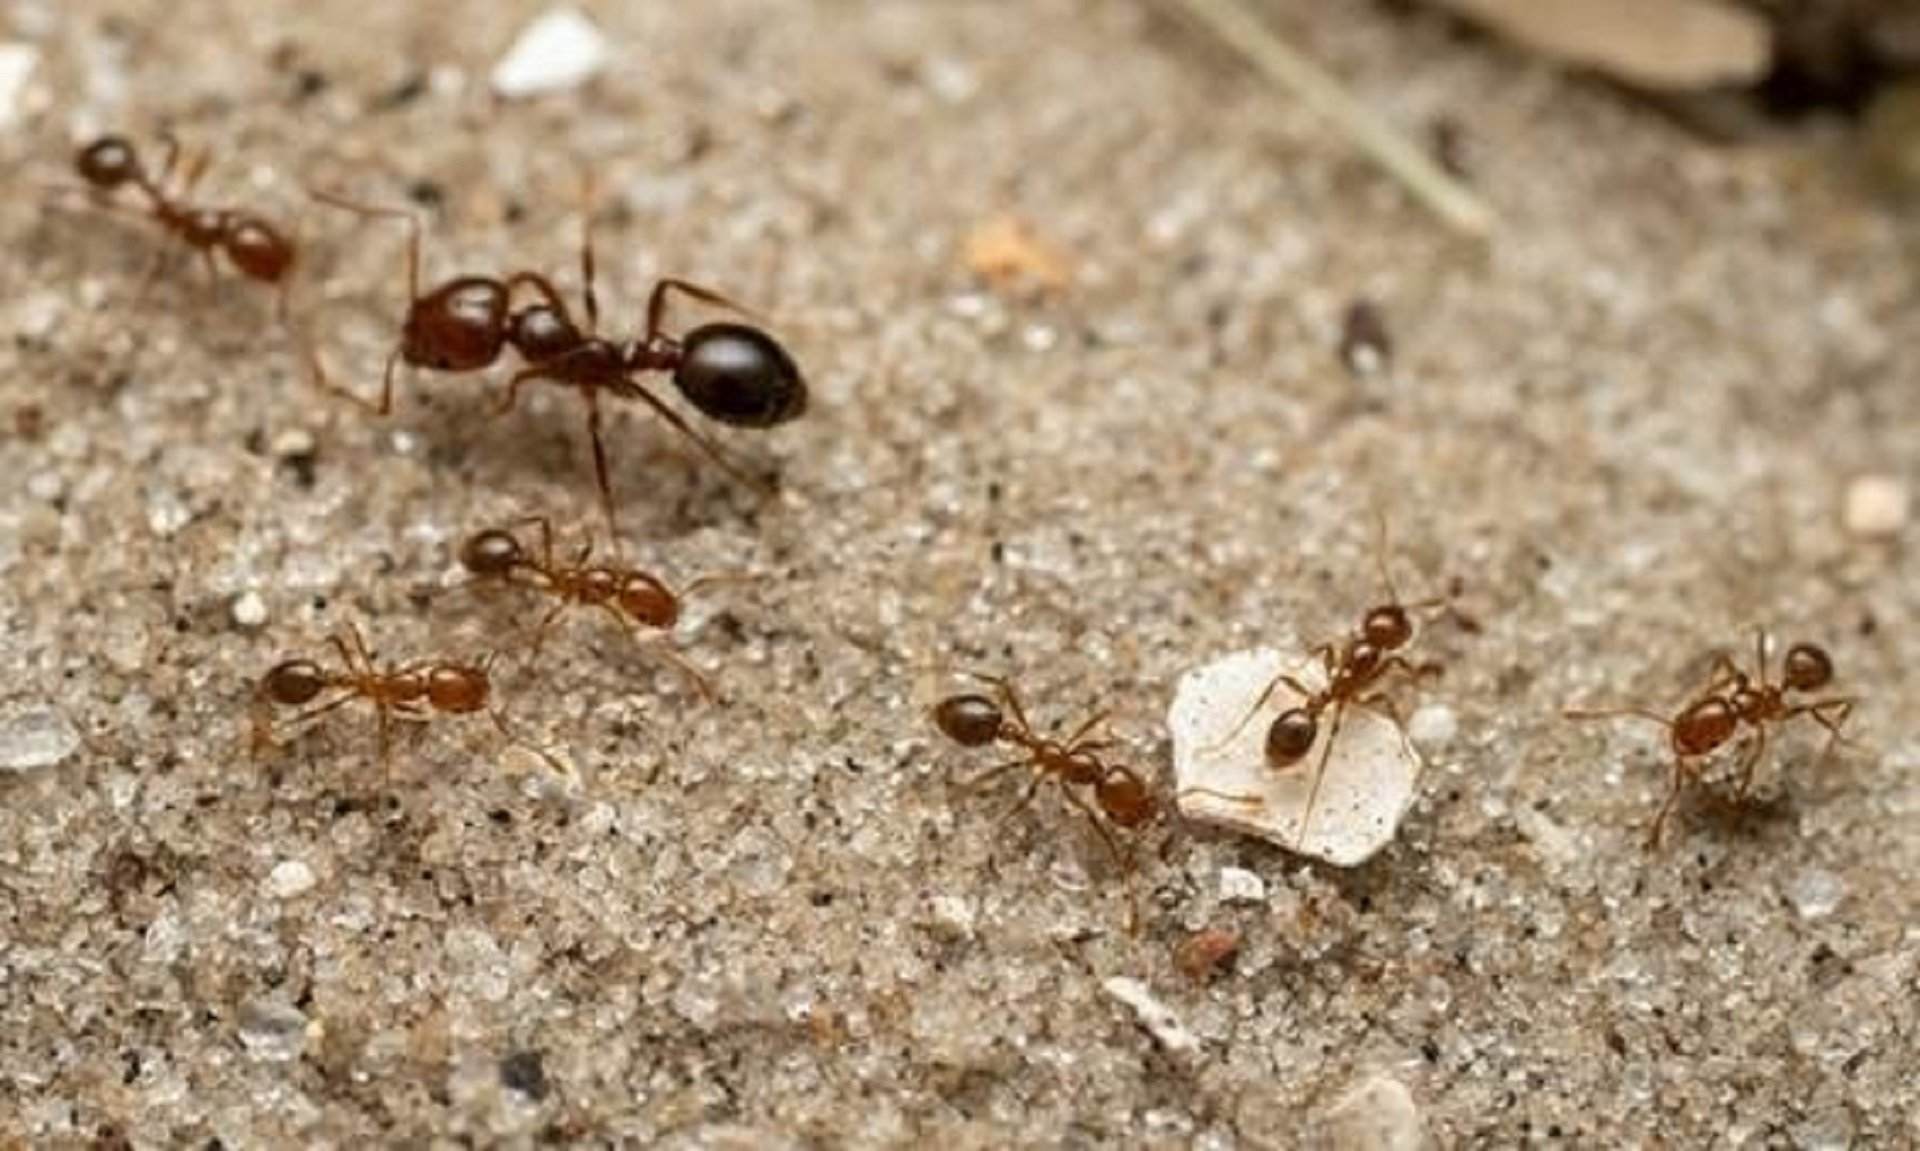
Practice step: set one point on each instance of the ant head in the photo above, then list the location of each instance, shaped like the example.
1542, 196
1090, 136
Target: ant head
458, 327
108, 163
491, 553
1387, 628
541, 332
452, 688
294, 682
1291, 737
739, 375
256, 249
648, 602
969, 720
1808, 667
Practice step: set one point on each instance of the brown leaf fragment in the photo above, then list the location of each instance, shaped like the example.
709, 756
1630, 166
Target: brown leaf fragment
1675, 45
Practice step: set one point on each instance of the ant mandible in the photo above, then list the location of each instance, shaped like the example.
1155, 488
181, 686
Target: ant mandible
252, 245
1119, 795
1358, 667
636, 598
1732, 698
410, 692
732, 372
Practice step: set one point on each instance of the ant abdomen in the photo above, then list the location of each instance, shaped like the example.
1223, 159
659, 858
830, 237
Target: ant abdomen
1291, 737
1125, 799
491, 553
457, 690
969, 720
739, 375
1704, 726
294, 682
458, 327
646, 601
255, 248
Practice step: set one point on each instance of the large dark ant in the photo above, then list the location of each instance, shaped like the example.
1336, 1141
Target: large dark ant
732, 372
636, 599
410, 692
1732, 698
1119, 795
255, 247
1358, 667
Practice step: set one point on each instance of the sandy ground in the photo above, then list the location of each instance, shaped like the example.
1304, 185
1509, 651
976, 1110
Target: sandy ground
1626, 428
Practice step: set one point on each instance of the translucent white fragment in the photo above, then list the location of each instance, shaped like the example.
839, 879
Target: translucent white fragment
561, 49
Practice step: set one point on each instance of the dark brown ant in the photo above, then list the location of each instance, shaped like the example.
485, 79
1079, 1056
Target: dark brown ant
732, 372
636, 599
1730, 699
1119, 795
1358, 668
411, 692
252, 245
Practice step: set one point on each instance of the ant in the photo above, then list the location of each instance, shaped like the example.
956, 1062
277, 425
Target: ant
1119, 795
408, 692
252, 245
1358, 667
732, 372
1731, 698
635, 598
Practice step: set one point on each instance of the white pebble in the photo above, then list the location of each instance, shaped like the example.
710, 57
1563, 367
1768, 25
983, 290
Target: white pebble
36, 737
1433, 727
290, 878
1877, 505
1367, 787
292, 442
1238, 885
249, 610
1815, 893
1378, 1115
952, 917
17, 62
47, 487
561, 49
1155, 1016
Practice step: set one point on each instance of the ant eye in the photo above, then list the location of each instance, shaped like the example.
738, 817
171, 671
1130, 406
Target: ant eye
456, 689
739, 375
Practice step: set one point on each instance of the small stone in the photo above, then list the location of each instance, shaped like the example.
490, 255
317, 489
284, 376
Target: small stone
1815, 893
47, 487
17, 62
292, 443
1237, 885
1433, 727
560, 50
952, 917
1220, 767
273, 1031
1877, 506
290, 878
525, 1072
35, 737
1205, 952
1159, 1020
1365, 346
249, 610
1378, 1115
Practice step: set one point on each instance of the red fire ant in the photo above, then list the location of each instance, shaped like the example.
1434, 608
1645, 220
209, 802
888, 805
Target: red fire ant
1358, 667
635, 598
409, 692
252, 245
732, 372
1119, 795
1731, 698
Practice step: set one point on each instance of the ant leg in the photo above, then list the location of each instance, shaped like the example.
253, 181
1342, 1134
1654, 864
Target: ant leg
540, 631
681, 664
500, 721
360, 646
634, 390
547, 292
1666, 809
1242, 800
1122, 859
657, 302
1749, 762
1831, 714
378, 407
1760, 654
1320, 771
264, 727
979, 782
518, 380
600, 467
1073, 743
586, 255
1581, 713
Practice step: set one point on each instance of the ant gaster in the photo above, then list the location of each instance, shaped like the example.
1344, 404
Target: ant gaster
1358, 668
1119, 796
636, 599
252, 245
410, 692
732, 372
1730, 699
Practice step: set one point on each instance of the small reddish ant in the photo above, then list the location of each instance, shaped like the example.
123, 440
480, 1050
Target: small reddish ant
635, 598
1358, 667
408, 692
1731, 698
732, 372
252, 245
1119, 794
